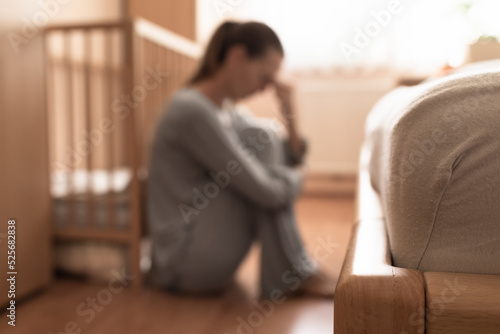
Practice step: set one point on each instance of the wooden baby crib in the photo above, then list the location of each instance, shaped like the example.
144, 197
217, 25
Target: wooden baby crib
106, 84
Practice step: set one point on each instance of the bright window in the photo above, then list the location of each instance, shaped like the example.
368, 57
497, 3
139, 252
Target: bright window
407, 35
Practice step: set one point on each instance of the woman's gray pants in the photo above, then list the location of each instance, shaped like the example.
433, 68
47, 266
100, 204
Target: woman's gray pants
205, 266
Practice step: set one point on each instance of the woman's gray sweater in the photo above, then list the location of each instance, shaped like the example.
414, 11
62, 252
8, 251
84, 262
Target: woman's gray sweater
201, 170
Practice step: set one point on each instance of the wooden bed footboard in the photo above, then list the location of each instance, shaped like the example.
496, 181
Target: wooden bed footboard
372, 296
462, 303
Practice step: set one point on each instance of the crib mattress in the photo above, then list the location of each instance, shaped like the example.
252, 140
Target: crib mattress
71, 189
101, 210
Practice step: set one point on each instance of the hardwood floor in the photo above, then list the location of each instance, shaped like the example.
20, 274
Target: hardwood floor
71, 306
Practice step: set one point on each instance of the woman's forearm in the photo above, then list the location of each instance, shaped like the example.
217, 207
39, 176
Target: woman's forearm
284, 94
293, 134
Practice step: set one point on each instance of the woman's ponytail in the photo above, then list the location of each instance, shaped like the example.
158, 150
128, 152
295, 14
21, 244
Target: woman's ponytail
215, 52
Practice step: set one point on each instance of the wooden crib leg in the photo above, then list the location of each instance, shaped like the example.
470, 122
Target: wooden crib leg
135, 259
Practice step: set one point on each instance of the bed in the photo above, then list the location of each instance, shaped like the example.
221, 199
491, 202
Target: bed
395, 278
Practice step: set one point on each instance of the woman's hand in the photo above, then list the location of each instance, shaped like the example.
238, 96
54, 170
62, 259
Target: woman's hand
284, 95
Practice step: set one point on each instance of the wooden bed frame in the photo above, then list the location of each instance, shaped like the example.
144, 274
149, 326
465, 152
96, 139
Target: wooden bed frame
374, 297
90, 67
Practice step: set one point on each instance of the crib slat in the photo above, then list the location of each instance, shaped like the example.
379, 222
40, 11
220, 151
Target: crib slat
164, 67
168, 60
161, 85
147, 103
176, 65
87, 59
180, 73
70, 186
154, 103
134, 48
109, 150
171, 68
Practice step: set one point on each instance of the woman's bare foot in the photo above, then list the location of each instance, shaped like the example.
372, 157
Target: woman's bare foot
320, 285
